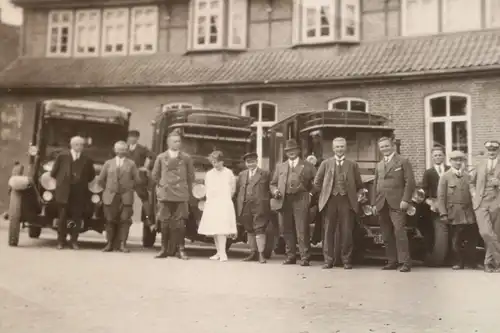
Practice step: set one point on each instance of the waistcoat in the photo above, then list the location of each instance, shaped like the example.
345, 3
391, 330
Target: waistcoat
294, 183
339, 180
76, 170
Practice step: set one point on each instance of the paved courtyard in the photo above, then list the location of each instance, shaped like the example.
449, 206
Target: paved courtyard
43, 290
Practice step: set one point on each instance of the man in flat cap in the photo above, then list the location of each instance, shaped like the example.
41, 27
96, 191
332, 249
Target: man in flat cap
455, 210
173, 174
485, 192
252, 205
292, 188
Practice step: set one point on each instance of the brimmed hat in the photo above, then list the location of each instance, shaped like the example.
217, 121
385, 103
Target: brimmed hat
250, 155
457, 155
291, 145
492, 145
134, 133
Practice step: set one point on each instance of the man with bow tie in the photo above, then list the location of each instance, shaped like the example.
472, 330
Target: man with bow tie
339, 180
252, 206
292, 187
455, 209
485, 192
73, 171
118, 178
392, 191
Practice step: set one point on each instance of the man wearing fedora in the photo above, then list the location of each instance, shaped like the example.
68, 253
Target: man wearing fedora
339, 180
485, 190
393, 189
252, 206
292, 187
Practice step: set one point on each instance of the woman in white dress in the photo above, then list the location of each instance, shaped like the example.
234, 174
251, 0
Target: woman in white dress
219, 218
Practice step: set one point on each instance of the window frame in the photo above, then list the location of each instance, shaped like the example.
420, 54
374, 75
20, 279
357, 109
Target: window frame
231, 23
259, 125
132, 23
125, 50
70, 25
304, 39
194, 23
357, 23
447, 120
97, 42
349, 100
489, 22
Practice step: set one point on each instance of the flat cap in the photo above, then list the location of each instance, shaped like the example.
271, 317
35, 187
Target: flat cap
251, 155
457, 154
492, 145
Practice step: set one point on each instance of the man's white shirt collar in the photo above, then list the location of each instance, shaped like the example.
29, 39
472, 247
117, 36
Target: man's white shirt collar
74, 154
492, 163
293, 163
119, 160
439, 168
457, 172
389, 158
173, 153
132, 147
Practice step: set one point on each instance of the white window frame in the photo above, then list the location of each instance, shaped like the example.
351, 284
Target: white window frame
259, 124
404, 14
237, 19
104, 24
343, 19
95, 43
429, 120
177, 106
133, 22
303, 22
349, 100
220, 23
60, 26
490, 22
470, 17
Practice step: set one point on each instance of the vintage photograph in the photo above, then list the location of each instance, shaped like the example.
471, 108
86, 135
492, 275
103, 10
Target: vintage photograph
241, 166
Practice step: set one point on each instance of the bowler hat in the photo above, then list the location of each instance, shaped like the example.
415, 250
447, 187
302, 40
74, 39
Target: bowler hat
492, 145
456, 155
291, 144
250, 155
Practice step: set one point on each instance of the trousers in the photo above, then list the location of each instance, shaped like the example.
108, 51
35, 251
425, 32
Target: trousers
295, 213
338, 212
393, 225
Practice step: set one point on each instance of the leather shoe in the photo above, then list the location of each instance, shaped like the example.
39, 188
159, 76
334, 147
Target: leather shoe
405, 268
347, 266
162, 254
262, 258
60, 246
182, 255
457, 267
108, 248
489, 269
305, 263
289, 261
75, 246
327, 265
390, 267
252, 257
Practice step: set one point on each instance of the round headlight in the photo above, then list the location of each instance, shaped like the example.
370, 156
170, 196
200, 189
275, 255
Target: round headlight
47, 196
201, 205
367, 210
47, 181
411, 210
94, 187
33, 150
48, 166
95, 198
199, 191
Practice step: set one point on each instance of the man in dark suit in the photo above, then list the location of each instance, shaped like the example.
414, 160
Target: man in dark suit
118, 178
292, 188
73, 172
339, 180
393, 189
252, 206
173, 174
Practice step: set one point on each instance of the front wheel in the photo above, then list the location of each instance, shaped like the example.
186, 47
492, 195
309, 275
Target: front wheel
14, 217
148, 236
34, 232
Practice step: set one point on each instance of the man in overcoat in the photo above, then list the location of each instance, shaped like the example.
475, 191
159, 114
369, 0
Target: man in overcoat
173, 174
118, 178
292, 188
73, 171
252, 204
485, 190
393, 189
339, 180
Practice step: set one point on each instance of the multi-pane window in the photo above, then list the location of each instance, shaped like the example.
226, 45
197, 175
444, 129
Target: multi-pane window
208, 23
350, 17
448, 122
60, 33
318, 20
115, 31
265, 114
348, 104
237, 23
87, 32
144, 29
493, 13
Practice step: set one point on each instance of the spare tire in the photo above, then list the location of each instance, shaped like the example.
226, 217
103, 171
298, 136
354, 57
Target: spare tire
439, 247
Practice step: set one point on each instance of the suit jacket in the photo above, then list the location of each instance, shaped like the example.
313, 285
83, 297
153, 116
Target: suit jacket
454, 198
478, 182
258, 185
140, 154
430, 181
118, 181
307, 173
61, 171
174, 177
324, 181
393, 183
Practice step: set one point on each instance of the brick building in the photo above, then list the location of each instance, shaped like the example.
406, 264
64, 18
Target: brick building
433, 65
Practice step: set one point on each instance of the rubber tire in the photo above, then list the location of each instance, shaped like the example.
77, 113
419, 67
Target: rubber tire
148, 237
439, 251
34, 232
14, 217
229, 242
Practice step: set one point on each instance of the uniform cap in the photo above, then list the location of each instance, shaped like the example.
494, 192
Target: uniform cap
250, 155
492, 145
457, 154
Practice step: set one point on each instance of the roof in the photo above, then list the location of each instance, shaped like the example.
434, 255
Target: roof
87, 107
9, 41
458, 52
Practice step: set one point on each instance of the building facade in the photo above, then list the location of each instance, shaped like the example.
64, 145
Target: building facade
432, 65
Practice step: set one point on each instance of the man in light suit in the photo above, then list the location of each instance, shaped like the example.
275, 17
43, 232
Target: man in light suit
339, 180
292, 188
485, 190
118, 177
393, 189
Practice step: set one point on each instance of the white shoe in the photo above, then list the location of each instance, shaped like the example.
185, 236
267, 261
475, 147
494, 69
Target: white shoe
215, 257
223, 258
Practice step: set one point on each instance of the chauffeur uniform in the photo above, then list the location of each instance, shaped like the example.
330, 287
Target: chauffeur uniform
139, 154
173, 174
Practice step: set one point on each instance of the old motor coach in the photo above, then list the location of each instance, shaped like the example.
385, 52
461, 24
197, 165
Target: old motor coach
315, 131
32, 189
203, 131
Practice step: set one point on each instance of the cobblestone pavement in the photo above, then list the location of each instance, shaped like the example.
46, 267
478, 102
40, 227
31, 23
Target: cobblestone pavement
43, 290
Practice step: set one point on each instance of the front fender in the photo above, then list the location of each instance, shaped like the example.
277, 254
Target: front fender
19, 183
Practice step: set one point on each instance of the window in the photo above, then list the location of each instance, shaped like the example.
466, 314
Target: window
265, 115
448, 123
237, 24
208, 23
59, 34
350, 20
144, 30
115, 31
461, 15
493, 13
348, 104
177, 106
412, 13
87, 31
318, 18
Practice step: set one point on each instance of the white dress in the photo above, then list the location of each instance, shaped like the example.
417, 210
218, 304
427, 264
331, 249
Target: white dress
219, 217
